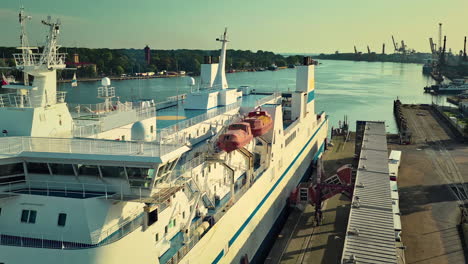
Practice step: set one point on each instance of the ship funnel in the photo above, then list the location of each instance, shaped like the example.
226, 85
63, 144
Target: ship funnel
305, 75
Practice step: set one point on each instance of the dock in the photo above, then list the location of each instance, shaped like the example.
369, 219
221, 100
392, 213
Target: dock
302, 242
432, 181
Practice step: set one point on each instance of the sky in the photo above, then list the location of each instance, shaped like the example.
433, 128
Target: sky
282, 26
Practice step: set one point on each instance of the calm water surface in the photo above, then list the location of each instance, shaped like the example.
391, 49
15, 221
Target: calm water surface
361, 90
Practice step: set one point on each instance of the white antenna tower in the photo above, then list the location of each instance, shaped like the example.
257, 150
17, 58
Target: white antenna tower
25, 50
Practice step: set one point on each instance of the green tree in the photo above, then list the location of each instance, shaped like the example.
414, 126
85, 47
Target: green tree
119, 70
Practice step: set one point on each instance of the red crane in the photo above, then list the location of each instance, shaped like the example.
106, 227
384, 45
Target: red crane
323, 189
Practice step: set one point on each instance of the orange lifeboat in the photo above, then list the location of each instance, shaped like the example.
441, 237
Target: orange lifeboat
260, 122
237, 136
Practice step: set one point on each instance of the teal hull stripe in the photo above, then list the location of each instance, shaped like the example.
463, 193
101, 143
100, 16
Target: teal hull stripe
311, 96
251, 216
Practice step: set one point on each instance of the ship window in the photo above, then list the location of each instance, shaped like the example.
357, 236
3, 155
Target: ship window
12, 173
140, 177
89, 170
112, 172
39, 168
166, 229
151, 129
183, 213
173, 222
152, 217
215, 165
28, 216
11, 169
62, 219
156, 237
62, 169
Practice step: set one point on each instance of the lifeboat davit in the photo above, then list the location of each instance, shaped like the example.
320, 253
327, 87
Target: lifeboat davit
237, 136
260, 122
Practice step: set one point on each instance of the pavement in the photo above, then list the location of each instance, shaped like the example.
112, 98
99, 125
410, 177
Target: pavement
302, 242
432, 184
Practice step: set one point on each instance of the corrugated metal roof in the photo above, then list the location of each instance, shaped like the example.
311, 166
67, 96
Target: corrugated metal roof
370, 236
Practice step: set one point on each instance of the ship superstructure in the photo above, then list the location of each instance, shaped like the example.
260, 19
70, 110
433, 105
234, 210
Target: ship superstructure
103, 184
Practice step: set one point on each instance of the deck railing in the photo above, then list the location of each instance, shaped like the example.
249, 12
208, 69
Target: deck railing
59, 241
16, 145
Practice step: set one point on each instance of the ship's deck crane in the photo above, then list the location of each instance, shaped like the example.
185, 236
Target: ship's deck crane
383, 49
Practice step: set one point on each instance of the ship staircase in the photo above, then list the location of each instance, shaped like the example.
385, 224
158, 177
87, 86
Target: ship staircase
205, 197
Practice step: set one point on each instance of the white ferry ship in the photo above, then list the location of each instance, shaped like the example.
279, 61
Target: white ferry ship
119, 182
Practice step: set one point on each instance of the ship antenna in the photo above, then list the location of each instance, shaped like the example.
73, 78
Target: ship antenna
24, 41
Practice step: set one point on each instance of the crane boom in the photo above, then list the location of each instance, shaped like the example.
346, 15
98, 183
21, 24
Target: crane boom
431, 42
394, 44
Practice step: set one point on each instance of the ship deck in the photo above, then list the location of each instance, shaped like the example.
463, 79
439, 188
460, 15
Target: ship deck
177, 114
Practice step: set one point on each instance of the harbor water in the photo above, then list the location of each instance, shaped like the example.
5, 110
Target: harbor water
361, 90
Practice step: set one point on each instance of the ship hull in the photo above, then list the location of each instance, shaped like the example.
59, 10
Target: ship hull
242, 230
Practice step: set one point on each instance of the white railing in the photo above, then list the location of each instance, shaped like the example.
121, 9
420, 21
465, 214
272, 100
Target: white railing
100, 108
14, 100
102, 234
24, 101
52, 188
198, 119
87, 130
61, 97
267, 98
60, 241
16, 145
37, 59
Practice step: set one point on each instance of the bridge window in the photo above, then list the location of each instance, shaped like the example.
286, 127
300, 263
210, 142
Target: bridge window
113, 172
39, 168
140, 177
62, 219
89, 170
12, 173
28, 216
62, 169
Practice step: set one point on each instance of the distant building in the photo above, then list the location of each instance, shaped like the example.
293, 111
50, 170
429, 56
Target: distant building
75, 63
76, 58
147, 55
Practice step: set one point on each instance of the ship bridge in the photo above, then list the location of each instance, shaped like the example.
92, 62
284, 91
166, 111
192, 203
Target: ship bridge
43, 166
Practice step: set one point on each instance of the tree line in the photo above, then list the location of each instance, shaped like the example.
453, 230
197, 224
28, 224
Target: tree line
115, 62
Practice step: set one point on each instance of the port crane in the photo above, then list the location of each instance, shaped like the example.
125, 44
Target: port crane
403, 48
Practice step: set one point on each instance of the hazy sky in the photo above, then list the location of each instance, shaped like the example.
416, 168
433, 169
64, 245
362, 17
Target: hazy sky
298, 26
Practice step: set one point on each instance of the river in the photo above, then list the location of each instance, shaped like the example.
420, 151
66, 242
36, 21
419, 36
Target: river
361, 90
